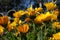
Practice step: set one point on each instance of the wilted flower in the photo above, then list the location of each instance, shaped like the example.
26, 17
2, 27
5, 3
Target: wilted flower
23, 28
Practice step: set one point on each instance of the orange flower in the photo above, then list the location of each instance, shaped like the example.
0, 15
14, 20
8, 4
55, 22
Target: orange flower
4, 20
23, 28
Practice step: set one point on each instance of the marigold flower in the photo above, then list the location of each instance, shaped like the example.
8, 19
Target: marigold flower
23, 28
50, 5
4, 20
47, 16
53, 17
39, 18
43, 17
31, 11
38, 9
56, 24
56, 12
11, 26
56, 36
17, 15
1, 30
16, 20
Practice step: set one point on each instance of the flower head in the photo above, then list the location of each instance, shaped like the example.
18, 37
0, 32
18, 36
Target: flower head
50, 5
56, 36
1, 30
56, 24
23, 28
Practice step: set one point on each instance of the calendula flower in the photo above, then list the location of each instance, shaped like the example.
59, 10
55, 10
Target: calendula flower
11, 26
1, 30
4, 20
50, 5
56, 36
56, 24
23, 28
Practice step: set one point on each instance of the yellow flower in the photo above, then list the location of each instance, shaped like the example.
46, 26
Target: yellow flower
56, 12
30, 8
1, 30
20, 21
31, 11
47, 16
38, 9
56, 36
23, 28
16, 20
56, 24
18, 14
39, 18
53, 17
50, 5
11, 26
